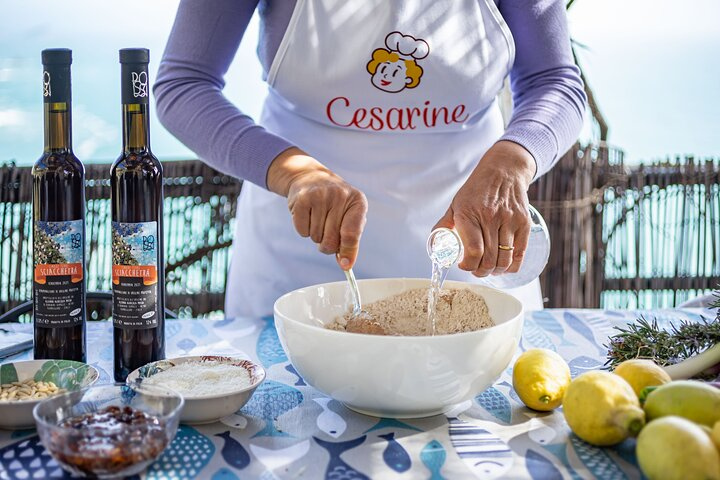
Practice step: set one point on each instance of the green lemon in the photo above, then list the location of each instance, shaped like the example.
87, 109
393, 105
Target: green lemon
689, 399
674, 448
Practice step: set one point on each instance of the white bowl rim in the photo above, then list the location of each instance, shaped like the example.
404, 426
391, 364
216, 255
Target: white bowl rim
5, 403
391, 338
223, 358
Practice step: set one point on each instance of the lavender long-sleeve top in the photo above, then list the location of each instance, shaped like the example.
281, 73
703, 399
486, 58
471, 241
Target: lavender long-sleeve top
548, 94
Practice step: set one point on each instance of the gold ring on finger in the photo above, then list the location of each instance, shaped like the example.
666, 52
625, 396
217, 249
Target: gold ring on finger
507, 248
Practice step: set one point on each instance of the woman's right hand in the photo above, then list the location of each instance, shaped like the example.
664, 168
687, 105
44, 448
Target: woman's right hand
323, 206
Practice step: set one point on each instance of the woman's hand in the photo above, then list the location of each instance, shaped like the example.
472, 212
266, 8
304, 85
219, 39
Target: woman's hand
323, 206
491, 210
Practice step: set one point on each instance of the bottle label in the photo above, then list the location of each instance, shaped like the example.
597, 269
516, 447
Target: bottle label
135, 275
58, 274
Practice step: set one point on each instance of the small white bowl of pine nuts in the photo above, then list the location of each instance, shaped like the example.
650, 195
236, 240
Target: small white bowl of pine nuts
24, 384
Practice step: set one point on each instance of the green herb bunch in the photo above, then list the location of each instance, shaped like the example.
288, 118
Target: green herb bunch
644, 339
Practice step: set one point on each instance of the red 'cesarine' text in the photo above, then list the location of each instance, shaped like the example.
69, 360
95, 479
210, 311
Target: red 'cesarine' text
340, 113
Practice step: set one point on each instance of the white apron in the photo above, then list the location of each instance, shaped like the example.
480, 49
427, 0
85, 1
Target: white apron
399, 99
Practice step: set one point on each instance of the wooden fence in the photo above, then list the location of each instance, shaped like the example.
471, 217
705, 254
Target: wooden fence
646, 236
199, 212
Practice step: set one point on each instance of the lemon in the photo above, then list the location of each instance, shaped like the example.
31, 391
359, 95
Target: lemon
540, 377
672, 448
640, 373
690, 399
602, 408
715, 435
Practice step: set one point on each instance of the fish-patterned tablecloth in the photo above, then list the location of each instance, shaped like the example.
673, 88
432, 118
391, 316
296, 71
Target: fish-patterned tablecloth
289, 430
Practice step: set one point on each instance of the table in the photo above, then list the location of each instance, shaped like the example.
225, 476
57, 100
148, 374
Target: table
289, 430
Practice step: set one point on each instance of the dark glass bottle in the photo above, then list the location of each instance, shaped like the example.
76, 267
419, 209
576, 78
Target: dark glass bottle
58, 223
138, 269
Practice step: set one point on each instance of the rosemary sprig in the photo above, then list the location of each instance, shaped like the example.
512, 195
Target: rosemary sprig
716, 303
644, 339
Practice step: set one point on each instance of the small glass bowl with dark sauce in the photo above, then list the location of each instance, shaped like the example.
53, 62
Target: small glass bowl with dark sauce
108, 431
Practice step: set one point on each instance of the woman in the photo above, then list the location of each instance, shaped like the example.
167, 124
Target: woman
381, 121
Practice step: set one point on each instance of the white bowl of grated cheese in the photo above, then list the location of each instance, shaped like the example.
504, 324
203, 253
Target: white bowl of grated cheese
212, 386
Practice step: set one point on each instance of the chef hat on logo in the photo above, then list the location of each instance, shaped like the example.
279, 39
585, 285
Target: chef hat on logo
407, 46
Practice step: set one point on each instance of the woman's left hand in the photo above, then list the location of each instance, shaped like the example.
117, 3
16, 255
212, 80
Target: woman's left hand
491, 210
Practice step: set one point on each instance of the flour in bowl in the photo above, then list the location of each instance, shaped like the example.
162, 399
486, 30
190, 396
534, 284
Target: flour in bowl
196, 379
458, 310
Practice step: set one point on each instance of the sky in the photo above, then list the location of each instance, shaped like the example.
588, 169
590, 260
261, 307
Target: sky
653, 64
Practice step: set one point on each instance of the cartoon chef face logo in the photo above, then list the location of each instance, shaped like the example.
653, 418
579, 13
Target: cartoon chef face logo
395, 68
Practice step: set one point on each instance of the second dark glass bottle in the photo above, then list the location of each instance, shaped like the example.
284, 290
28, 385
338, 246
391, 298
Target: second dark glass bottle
138, 268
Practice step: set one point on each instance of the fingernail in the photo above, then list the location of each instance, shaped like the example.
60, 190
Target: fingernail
344, 262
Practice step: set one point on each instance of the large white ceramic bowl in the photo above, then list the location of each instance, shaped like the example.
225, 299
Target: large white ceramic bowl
394, 376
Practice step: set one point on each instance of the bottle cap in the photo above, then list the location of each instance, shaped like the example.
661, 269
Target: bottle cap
57, 56
134, 75
134, 55
56, 75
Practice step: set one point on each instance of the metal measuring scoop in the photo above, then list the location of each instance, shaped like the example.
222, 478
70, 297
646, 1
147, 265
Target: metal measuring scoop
357, 312
355, 293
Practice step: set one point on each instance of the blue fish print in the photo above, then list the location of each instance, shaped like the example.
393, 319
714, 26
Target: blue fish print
300, 382
104, 377
328, 421
395, 455
614, 313
597, 461
337, 469
433, 457
548, 322
233, 452
540, 468
626, 451
29, 459
521, 442
224, 474
391, 423
106, 354
268, 347
273, 459
582, 364
560, 451
172, 464
577, 324
511, 391
186, 344
172, 328
485, 453
536, 336
198, 330
223, 323
496, 403
271, 400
